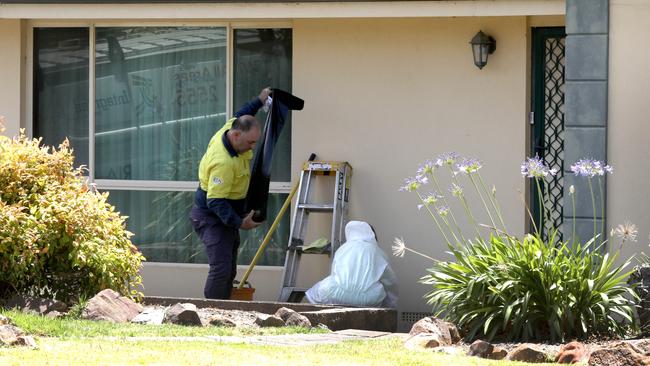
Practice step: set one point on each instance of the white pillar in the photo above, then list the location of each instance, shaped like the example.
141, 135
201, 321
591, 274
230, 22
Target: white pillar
11, 71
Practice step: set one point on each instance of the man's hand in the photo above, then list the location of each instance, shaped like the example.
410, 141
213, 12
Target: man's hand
248, 222
264, 94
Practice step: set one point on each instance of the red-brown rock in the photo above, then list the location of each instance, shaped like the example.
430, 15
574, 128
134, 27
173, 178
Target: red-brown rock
572, 352
109, 305
445, 331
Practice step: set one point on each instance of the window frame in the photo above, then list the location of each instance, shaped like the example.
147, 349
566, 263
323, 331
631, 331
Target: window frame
144, 185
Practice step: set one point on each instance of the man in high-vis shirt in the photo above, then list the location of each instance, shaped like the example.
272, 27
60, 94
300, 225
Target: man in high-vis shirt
218, 212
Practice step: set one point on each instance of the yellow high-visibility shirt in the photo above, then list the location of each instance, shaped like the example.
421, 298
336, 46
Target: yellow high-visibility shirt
222, 174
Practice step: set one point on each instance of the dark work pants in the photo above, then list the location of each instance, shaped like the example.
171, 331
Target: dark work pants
221, 244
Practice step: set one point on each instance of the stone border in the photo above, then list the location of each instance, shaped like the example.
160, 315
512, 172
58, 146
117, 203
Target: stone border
334, 317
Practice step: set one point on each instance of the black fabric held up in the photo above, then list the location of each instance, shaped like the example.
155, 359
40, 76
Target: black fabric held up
258, 190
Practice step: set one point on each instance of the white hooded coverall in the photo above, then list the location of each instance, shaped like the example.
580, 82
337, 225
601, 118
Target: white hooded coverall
361, 274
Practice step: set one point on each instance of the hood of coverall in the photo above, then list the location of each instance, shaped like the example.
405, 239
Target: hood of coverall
359, 231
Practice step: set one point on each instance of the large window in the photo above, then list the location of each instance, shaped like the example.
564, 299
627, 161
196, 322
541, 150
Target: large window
159, 95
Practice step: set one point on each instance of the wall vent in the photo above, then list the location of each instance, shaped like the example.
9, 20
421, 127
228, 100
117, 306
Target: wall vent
408, 318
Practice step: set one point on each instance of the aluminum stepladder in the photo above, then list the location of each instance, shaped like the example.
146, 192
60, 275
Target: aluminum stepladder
338, 207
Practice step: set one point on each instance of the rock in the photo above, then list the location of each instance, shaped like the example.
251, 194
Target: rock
297, 320
293, 318
4, 320
528, 353
572, 352
183, 314
9, 334
284, 313
446, 332
420, 341
29, 304
26, 341
642, 345
150, 315
497, 354
54, 314
480, 348
266, 320
485, 349
110, 306
619, 354
221, 321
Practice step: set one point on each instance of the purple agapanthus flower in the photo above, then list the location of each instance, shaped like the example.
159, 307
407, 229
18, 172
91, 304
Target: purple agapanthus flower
426, 168
591, 168
469, 165
448, 158
431, 198
422, 179
536, 168
442, 210
456, 190
411, 184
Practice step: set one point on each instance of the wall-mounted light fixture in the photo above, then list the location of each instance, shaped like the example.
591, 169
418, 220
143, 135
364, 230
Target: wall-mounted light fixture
482, 46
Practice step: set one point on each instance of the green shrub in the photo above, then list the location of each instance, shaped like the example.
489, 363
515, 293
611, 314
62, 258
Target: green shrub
528, 290
58, 237
533, 287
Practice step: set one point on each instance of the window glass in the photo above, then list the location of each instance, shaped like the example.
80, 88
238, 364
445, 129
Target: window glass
160, 96
61, 88
162, 230
263, 58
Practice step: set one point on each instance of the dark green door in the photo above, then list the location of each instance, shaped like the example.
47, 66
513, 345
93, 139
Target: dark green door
547, 140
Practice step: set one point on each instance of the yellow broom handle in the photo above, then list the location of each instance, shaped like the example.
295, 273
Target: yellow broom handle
267, 238
274, 226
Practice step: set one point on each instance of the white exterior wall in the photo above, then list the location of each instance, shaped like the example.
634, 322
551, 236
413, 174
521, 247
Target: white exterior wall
628, 130
11, 71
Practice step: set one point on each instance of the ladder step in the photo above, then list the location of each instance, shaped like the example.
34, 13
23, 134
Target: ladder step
317, 207
301, 251
292, 294
338, 206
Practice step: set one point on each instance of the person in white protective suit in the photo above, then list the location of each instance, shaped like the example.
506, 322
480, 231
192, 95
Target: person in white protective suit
361, 274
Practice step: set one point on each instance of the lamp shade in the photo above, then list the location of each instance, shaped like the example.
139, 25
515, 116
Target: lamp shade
482, 46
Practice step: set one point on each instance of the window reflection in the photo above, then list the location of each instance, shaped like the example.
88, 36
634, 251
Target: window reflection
160, 95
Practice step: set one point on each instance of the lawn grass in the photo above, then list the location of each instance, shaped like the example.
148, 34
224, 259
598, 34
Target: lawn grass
83, 342
97, 351
76, 328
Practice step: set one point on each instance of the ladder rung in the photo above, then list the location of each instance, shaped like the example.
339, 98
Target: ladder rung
317, 207
292, 294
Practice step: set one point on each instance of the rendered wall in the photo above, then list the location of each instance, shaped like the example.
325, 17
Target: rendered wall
387, 94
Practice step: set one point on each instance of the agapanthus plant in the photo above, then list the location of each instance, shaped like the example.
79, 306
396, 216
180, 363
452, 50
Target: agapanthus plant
591, 168
503, 286
536, 169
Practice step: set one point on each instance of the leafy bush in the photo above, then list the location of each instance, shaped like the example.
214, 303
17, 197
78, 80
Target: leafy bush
58, 237
526, 289
535, 287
